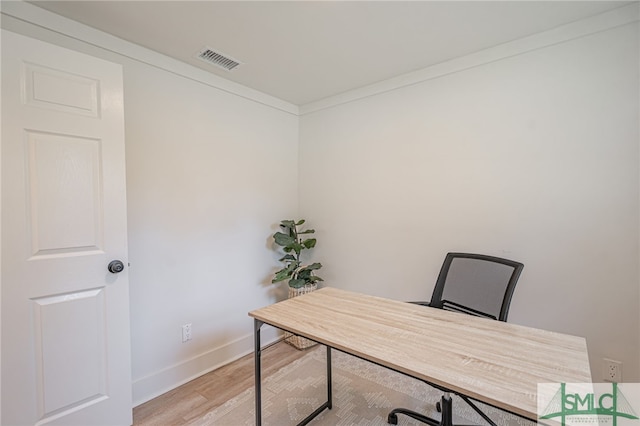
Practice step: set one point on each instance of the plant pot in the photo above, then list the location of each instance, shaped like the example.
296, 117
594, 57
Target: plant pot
292, 339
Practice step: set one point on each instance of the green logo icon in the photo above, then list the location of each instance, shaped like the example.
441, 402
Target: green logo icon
565, 404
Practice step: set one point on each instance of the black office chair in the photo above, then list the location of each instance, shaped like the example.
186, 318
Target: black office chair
473, 284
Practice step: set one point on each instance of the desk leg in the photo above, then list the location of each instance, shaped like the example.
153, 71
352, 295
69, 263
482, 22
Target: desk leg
258, 375
329, 402
258, 379
329, 381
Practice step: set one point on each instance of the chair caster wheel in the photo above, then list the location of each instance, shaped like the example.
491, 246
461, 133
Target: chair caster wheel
438, 407
392, 419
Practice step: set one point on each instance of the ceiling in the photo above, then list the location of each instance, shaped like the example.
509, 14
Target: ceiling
304, 51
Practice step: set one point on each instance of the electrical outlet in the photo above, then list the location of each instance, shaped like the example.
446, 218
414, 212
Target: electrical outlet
186, 332
611, 370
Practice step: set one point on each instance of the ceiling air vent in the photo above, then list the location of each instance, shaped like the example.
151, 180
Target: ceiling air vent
218, 59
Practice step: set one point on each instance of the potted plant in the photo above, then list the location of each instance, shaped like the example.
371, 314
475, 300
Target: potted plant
293, 242
301, 278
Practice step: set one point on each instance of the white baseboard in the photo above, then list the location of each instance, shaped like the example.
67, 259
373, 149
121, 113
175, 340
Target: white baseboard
160, 382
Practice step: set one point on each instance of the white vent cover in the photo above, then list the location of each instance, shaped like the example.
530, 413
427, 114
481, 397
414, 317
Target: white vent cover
218, 59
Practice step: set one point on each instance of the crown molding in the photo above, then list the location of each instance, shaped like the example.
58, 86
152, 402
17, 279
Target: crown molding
22, 11
30, 14
611, 19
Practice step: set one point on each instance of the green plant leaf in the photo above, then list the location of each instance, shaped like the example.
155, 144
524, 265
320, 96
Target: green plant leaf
296, 283
287, 224
280, 276
309, 243
307, 231
297, 247
300, 222
287, 272
291, 267
304, 274
282, 239
287, 257
314, 266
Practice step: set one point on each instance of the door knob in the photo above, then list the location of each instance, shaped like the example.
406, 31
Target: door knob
115, 266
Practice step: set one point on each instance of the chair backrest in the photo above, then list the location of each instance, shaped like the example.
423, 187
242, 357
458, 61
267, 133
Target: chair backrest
476, 284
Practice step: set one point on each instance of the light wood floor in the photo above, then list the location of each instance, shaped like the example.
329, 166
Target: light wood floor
207, 392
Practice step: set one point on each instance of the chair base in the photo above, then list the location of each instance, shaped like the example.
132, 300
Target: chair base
445, 406
392, 419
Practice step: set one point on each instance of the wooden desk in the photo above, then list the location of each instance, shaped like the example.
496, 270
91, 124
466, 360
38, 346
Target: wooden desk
494, 362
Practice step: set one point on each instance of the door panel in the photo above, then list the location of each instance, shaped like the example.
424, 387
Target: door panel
61, 91
65, 318
70, 350
65, 181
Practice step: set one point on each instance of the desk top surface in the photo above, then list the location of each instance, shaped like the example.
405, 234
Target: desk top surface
491, 361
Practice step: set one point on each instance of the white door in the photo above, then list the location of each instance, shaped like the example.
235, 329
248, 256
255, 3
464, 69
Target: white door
65, 318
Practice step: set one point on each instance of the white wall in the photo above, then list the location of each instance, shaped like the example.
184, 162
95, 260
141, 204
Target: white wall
210, 174
204, 197
533, 157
